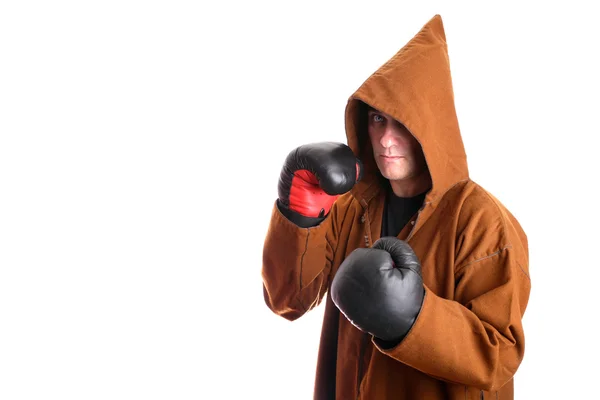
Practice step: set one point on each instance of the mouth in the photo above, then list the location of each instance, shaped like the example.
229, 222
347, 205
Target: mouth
391, 158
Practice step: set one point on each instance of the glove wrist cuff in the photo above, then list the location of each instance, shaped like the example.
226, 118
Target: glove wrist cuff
299, 219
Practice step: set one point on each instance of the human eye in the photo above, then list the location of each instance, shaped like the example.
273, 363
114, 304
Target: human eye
377, 118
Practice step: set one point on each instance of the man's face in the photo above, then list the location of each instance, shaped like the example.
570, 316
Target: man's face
398, 154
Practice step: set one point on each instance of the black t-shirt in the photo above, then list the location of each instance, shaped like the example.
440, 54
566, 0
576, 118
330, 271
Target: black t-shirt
398, 211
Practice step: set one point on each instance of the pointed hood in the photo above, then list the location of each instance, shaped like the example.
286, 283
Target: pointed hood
415, 87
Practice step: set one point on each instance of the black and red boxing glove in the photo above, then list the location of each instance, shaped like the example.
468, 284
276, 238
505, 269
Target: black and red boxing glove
313, 177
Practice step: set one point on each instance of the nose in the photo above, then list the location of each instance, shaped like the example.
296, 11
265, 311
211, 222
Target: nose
389, 137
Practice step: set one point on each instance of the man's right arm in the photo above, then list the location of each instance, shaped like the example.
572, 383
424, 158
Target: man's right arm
297, 263
302, 234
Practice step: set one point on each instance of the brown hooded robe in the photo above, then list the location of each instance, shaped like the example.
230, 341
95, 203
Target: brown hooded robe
468, 339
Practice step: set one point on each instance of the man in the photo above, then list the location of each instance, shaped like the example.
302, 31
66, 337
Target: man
426, 271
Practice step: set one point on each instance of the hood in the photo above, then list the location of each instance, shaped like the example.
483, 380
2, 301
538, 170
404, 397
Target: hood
414, 87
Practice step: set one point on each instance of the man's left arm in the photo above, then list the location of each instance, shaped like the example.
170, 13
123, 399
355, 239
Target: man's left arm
477, 339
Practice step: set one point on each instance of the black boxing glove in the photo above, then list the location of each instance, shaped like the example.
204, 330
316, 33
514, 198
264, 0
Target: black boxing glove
313, 177
380, 289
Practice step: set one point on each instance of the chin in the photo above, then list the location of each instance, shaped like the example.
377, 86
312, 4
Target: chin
394, 175
397, 177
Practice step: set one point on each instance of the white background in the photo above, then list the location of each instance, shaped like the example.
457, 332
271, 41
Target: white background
140, 146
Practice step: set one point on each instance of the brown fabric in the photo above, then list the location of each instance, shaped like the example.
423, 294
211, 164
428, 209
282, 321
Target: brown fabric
468, 340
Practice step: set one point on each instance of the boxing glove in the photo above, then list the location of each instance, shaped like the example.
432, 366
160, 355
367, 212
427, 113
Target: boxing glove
380, 289
313, 177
